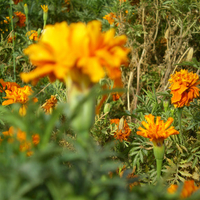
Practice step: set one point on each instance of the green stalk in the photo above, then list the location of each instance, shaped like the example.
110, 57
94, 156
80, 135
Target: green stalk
159, 150
13, 41
26, 13
179, 112
159, 167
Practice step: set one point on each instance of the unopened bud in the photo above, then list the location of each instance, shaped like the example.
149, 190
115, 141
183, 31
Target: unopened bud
106, 108
25, 9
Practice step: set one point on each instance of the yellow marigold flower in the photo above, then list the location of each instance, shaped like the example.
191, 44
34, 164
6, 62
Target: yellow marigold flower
17, 1
110, 18
158, 131
49, 104
77, 52
33, 35
123, 131
183, 88
44, 8
188, 189
21, 18
7, 85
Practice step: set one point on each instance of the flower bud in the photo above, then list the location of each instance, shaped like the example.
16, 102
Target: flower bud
106, 108
25, 9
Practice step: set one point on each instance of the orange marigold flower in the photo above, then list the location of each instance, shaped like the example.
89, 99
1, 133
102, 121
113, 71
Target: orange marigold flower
116, 96
158, 131
65, 54
7, 85
49, 104
110, 18
18, 95
17, 1
21, 18
33, 35
183, 88
36, 139
188, 189
21, 136
9, 133
122, 131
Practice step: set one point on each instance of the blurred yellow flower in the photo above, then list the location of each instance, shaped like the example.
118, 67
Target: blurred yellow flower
44, 8
183, 88
21, 18
158, 131
76, 52
188, 189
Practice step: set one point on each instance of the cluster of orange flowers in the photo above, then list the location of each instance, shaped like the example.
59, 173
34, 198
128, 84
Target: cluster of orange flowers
158, 131
17, 1
123, 131
82, 58
33, 35
16, 94
188, 189
110, 17
49, 104
25, 145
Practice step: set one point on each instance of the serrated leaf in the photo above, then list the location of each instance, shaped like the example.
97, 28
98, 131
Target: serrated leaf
181, 178
185, 165
141, 157
195, 149
179, 148
185, 173
195, 176
194, 162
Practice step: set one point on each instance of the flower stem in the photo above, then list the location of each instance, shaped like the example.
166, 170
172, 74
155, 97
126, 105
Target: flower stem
13, 41
159, 167
179, 112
